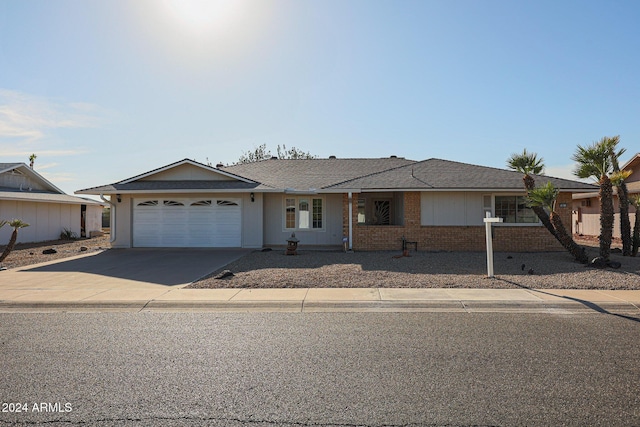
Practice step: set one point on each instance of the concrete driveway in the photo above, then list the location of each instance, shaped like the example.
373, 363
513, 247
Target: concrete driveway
122, 268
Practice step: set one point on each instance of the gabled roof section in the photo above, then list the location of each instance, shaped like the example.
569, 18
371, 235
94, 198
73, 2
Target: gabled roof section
182, 176
313, 174
438, 174
22, 168
202, 166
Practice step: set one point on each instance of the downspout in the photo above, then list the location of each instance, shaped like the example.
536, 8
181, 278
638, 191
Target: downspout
112, 218
350, 220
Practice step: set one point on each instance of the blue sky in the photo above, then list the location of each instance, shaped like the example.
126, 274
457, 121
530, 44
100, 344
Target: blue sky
105, 90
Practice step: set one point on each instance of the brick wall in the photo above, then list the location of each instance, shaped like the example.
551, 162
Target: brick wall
450, 238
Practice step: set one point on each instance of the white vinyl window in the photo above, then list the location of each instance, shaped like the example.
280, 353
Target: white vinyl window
303, 213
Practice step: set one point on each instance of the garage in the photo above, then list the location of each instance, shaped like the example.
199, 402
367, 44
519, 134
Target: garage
182, 223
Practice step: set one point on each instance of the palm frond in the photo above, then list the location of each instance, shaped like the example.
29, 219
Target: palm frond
526, 162
544, 196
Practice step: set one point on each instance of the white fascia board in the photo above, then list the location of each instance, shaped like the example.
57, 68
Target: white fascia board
626, 165
183, 162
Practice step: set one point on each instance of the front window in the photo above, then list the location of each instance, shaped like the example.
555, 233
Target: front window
303, 213
514, 210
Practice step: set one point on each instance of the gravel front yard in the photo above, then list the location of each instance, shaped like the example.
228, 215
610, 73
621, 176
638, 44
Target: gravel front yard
24, 254
550, 270
272, 269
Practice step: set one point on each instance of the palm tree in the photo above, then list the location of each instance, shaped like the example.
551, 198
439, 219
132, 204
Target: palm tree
618, 179
32, 160
16, 224
594, 161
545, 197
635, 201
527, 164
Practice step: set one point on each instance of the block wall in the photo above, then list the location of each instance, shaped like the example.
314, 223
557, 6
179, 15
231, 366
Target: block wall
450, 238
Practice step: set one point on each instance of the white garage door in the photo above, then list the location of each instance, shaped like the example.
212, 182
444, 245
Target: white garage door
182, 223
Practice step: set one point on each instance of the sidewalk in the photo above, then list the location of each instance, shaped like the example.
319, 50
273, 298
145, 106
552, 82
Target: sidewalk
318, 300
56, 291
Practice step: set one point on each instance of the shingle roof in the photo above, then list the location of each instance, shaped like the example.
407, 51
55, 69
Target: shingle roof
155, 186
339, 175
445, 174
305, 174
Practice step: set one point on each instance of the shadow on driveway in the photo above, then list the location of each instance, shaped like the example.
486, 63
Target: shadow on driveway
168, 267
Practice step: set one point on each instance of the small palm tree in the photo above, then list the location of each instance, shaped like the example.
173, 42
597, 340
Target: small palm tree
545, 197
594, 161
16, 224
635, 201
527, 164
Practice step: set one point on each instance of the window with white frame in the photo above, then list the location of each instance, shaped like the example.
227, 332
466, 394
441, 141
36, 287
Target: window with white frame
303, 213
514, 210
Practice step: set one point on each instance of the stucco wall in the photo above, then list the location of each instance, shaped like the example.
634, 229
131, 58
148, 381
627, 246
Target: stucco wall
46, 220
276, 235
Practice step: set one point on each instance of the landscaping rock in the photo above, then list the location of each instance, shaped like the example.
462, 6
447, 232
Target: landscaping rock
49, 251
614, 264
225, 274
83, 249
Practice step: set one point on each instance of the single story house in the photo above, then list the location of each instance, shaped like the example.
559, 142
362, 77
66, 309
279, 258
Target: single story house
586, 206
28, 196
367, 203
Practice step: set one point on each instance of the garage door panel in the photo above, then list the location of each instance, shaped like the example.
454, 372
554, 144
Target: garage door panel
187, 223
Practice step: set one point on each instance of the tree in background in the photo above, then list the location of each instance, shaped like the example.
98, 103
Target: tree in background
595, 161
262, 153
546, 197
32, 160
16, 224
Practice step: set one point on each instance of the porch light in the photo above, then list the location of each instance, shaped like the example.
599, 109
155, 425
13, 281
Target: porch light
119, 197
253, 197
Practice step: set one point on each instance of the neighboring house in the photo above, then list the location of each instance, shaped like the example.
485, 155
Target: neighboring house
26, 195
586, 206
370, 203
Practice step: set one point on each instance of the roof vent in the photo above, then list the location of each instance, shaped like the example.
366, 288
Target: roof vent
393, 156
219, 165
332, 157
274, 157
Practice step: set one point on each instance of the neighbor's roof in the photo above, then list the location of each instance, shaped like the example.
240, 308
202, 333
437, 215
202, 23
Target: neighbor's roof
440, 174
26, 170
43, 196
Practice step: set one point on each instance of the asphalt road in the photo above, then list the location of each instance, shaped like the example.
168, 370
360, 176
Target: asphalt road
330, 369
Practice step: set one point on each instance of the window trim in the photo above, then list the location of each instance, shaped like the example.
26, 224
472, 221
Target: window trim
511, 224
297, 199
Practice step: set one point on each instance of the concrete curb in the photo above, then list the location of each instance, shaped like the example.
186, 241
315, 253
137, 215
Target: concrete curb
453, 306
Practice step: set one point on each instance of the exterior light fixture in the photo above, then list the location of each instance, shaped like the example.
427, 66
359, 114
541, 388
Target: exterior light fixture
253, 197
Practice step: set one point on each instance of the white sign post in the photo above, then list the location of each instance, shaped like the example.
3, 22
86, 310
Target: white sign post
487, 224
